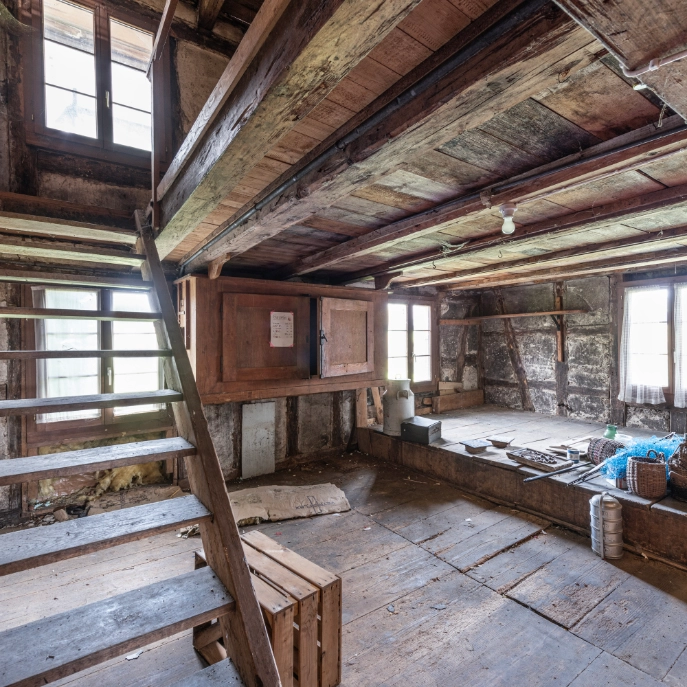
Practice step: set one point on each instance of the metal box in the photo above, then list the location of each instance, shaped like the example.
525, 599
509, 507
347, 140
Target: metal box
420, 430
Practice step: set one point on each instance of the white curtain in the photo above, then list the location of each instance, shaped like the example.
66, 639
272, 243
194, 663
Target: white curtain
680, 314
644, 355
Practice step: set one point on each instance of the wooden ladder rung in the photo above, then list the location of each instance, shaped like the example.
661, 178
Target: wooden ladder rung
63, 644
62, 314
222, 674
27, 549
68, 463
31, 406
45, 355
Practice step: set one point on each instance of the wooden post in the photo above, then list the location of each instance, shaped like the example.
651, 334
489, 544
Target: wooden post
379, 410
361, 408
561, 364
244, 630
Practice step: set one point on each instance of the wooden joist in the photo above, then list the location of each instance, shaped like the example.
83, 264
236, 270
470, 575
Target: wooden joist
68, 463
50, 355
27, 549
476, 320
313, 47
64, 314
31, 406
64, 644
208, 11
522, 59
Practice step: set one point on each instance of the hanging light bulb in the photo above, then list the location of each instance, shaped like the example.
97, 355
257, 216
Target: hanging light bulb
507, 211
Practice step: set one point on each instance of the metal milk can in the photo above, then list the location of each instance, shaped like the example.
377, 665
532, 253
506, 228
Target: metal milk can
606, 515
399, 405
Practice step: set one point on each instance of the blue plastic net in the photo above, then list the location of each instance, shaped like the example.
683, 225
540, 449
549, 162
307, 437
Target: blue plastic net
616, 465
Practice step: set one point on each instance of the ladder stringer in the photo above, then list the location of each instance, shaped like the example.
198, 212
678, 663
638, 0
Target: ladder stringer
244, 630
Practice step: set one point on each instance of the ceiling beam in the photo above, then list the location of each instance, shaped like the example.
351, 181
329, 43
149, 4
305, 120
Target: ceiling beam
519, 54
312, 47
636, 33
588, 251
208, 11
627, 152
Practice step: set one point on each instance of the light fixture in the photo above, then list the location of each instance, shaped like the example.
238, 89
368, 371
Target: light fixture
507, 211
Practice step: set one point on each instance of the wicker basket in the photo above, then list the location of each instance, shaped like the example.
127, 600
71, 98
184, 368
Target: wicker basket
679, 458
647, 477
600, 449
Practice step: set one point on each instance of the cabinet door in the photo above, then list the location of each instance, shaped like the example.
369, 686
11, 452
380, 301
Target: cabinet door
347, 337
265, 337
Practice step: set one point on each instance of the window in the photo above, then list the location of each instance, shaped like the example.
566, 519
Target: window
85, 376
410, 341
91, 90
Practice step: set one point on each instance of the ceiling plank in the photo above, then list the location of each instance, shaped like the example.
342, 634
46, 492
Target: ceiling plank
519, 54
594, 164
637, 34
314, 45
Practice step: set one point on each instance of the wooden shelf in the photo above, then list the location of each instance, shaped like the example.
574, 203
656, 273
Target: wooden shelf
544, 313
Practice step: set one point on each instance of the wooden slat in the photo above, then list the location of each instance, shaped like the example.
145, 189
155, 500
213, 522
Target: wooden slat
30, 406
26, 549
222, 674
63, 314
464, 399
67, 463
72, 279
49, 355
63, 644
474, 320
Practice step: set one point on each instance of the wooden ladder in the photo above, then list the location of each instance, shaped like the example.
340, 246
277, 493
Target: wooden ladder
45, 650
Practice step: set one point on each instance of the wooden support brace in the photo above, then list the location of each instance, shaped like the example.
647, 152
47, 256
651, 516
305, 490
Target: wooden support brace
379, 410
215, 267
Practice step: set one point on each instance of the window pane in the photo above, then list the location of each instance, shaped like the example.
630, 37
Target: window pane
398, 344
422, 369
68, 68
131, 127
398, 368
420, 343
130, 46
68, 24
648, 337
398, 316
130, 87
135, 374
71, 112
77, 377
421, 317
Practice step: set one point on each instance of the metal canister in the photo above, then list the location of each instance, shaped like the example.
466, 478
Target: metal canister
606, 514
399, 405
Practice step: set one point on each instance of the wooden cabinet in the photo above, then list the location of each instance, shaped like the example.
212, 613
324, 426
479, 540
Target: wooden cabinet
251, 339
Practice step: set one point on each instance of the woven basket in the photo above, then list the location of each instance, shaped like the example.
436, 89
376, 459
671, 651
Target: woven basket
647, 477
678, 477
600, 449
679, 458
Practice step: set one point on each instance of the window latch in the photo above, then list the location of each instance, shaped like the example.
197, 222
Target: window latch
109, 377
107, 99
323, 338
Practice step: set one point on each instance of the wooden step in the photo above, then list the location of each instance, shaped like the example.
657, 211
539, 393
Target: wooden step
63, 644
222, 674
26, 549
63, 314
45, 355
31, 406
34, 468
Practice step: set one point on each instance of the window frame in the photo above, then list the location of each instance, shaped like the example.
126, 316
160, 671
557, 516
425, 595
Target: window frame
103, 147
107, 424
669, 283
430, 385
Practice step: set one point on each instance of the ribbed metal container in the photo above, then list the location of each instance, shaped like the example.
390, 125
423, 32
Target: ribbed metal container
399, 405
606, 515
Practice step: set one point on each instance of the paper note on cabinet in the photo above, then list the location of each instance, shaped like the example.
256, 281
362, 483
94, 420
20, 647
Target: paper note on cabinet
281, 329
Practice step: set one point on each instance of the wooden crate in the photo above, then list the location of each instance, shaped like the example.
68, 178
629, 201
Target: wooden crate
314, 640
279, 611
329, 603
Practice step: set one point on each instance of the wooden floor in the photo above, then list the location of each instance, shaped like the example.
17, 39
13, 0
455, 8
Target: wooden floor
440, 589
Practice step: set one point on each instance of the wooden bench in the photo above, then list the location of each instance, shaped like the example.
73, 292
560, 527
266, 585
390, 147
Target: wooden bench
307, 649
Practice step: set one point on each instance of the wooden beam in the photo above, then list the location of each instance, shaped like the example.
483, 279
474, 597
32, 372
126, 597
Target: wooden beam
586, 251
63, 250
314, 45
215, 267
519, 54
38, 276
163, 31
50, 355
208, 11
507, 316
11, 312
47, 226
627, 153
636, 34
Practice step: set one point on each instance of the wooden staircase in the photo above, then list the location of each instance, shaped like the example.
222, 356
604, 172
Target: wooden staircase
51, 648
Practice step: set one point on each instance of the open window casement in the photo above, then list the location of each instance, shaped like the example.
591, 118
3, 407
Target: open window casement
346, 337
